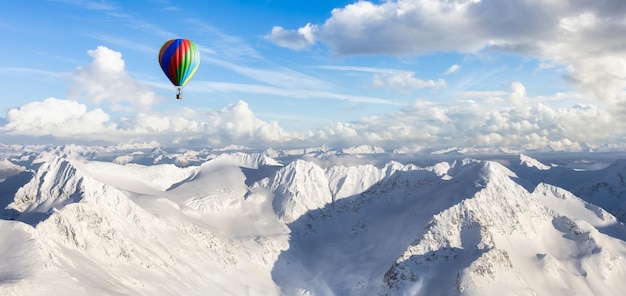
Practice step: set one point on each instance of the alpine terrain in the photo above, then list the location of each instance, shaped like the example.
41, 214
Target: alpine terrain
143, 219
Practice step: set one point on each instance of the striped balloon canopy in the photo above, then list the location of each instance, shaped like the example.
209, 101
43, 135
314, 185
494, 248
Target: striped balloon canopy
179, 60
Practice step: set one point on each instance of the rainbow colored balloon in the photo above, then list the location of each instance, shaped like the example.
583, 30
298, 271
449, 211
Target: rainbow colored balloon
179, 59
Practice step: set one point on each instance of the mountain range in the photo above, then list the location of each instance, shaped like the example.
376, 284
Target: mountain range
143, 219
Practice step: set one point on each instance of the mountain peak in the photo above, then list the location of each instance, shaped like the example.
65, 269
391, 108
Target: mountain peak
488, 241
55, 184
532, 163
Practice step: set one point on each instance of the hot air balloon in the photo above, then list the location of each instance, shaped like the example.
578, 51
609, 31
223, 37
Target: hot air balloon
179, 59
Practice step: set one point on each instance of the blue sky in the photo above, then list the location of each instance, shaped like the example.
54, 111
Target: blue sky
405, 74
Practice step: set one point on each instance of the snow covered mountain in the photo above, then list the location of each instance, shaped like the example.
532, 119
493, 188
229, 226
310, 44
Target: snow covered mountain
146, 220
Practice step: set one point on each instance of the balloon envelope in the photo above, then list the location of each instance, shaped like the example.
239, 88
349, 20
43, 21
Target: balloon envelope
179, 59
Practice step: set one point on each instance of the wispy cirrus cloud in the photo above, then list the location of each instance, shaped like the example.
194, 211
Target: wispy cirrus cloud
138, 24
293, 93
277, 76
111, 9
91, 4
392, 78
483, 94
407, 80
33, 71
227, 47
360, 69
125, 43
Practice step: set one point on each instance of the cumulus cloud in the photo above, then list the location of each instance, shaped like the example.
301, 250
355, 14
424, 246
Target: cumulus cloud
105, 80
475, 123
60, 118
419, 26
423, 124
398, 27
583, 36
237, 124
70, 121
294, 39
493, 118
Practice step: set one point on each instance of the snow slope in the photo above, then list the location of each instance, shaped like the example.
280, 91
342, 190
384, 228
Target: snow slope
92, 237
504, 238
144, 220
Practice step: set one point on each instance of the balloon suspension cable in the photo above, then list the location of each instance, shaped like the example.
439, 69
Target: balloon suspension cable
179, 93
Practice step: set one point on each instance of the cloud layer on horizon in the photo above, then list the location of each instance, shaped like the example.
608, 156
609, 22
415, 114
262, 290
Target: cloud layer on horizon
510, 118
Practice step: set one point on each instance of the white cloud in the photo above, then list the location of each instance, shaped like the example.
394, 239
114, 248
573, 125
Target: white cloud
602, 77
422, 124
60, 118
105, 80
579, 22
70, 121
518, 96
452, 69
294, 39
235, 124
476, 123
584, 35
496, 118
406, 80
400, 28
392, 78
238, 124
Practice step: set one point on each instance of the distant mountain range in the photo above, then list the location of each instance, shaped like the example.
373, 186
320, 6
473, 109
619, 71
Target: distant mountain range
142, 219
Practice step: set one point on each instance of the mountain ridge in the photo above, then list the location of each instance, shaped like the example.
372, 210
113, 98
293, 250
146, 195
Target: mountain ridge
283, 225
